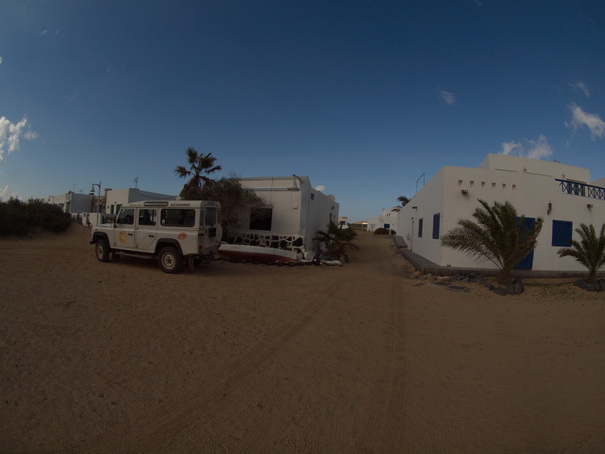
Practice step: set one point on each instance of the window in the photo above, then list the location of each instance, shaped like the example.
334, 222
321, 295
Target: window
212, 216
436, 218
126, 216
420, 222
178, 217
561, 233
260, 218
146, 217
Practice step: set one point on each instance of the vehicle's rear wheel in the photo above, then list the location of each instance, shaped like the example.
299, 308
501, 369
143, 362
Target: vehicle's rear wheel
169, 260
102, 250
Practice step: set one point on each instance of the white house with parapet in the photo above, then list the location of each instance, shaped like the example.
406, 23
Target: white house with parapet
387, 220
562, 195
285, 227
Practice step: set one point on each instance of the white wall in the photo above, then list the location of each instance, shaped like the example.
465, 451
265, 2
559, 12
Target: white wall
298, 209
118, 197
389, 216
423, 206
72, 202
535, 166
283, 195
529, 193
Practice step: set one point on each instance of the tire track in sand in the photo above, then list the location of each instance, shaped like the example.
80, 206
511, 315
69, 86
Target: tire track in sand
385, 429
184, 421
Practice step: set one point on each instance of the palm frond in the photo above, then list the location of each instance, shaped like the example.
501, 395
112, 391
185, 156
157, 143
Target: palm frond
498, 234
589, 250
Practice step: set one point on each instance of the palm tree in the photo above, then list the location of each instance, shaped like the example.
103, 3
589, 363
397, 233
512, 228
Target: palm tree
499, 235
403, 200
337, 240
589, 251
200, 165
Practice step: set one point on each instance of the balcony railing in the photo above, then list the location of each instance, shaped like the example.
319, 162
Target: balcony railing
581, 189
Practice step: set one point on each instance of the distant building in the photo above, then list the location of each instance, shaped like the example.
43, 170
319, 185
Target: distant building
359, 225
118, 197
286, 226
386, 220
73, 203
560, 194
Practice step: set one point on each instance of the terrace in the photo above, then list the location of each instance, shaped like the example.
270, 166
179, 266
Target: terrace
581, 189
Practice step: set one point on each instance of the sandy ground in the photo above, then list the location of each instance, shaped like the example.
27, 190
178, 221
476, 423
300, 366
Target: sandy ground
239, 358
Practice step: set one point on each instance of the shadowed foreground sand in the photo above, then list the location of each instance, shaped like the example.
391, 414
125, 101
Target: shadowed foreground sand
120, 357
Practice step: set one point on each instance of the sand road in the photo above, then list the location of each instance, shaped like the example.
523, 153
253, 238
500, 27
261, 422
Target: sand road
239, 358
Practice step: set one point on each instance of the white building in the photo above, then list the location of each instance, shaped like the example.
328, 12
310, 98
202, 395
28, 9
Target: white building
560, 194
387, 220
73, 203
285, 227
115, 198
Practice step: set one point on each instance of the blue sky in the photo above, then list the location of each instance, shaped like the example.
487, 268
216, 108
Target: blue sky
362, 96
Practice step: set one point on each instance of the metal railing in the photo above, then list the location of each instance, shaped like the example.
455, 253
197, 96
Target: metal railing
581, 189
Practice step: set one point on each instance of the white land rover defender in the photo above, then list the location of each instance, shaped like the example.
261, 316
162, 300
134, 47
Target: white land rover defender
173, 231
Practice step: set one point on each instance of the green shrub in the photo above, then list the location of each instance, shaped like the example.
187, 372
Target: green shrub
22, 218
383, 231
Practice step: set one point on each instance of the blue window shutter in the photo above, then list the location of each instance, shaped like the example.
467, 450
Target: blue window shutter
561, 233
436, 218
420, 228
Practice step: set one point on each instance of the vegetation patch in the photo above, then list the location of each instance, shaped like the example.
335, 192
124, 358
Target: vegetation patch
22, 218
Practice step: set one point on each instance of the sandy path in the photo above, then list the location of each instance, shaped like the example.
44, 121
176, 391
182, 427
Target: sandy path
120, 357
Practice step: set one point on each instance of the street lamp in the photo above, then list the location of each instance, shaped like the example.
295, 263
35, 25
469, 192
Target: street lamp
92, 192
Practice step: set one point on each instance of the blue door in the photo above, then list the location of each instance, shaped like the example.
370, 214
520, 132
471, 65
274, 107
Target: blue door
528, 262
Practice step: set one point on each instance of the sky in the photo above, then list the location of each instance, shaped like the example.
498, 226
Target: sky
367, 98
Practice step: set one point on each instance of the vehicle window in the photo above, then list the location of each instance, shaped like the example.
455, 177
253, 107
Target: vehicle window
177, 217
212, 216
126, 216
146, 217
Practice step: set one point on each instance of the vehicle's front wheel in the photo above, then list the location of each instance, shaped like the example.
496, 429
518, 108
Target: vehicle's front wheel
169, 260
102, 250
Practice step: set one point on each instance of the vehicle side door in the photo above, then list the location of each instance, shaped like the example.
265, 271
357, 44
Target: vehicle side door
145, 229
124, 229
211, 227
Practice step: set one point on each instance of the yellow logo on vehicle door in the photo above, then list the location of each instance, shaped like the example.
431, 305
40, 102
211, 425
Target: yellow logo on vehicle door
122, 237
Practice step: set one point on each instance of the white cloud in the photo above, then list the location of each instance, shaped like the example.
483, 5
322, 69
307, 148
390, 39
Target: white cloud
449, 98
534, 149
511, 148
0, 60
580, 118
540, 148
321, 188
3, 192
11, 134
581, 86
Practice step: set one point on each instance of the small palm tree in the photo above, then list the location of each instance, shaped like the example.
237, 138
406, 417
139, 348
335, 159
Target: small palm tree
589, 251
337, 240
403, 200
499, 235
200, 165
